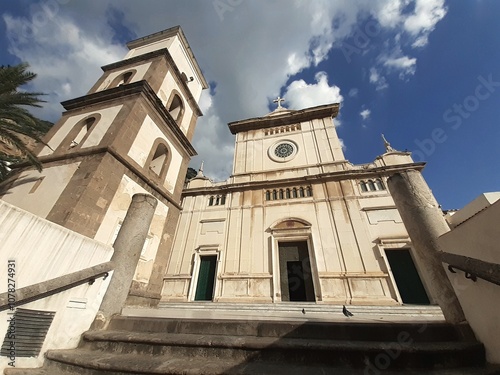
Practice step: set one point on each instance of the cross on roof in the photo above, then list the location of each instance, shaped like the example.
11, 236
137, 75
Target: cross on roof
279, 100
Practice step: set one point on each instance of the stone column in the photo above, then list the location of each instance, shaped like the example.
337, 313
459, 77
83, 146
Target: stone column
128, 246
424, 222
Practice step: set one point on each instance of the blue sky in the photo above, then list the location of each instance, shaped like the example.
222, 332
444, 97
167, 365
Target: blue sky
425, 73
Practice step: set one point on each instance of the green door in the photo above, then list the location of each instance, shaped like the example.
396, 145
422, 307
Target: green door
405, 273
206, 279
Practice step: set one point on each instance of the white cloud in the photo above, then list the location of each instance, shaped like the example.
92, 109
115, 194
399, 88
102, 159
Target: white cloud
66, 59
422, 22
405, 65
252, 51
389, 12
300, 94
379, 81
365, 113
353, 92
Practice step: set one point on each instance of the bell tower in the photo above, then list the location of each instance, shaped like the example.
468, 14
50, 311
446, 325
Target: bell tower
131, 133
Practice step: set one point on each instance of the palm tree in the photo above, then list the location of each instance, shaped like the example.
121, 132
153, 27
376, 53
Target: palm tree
16, 123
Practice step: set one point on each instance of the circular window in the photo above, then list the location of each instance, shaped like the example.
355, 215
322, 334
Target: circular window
283, 151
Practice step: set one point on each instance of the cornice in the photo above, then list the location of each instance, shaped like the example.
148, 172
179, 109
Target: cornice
322, 111
167, 33
323, 177
135, 88
46, 159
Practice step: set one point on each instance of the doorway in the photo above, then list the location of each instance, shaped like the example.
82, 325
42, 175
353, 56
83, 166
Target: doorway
206, 278
295, 272
407, 279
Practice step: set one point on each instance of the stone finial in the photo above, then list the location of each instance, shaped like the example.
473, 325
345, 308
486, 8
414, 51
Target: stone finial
200, 171
388, 147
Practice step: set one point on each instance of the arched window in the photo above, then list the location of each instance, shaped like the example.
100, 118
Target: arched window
268, 195
122, 79
371, 185
288, 194
79, 133
363, 187
379, 184
294, 193
217, 200
275, 195
159, 160
211, 201
301, 191
125, 79
85, 127
281, 194
309, 191
223, 200
176, 108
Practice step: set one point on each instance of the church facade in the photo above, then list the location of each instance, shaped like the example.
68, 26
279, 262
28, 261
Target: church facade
295, 222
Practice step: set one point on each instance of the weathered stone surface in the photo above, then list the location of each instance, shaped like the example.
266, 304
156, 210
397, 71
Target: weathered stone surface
424, 221
128, 246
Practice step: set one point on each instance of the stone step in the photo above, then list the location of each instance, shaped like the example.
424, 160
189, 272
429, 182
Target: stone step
146, 345
349, 330
289, 311
91, 363
327, 352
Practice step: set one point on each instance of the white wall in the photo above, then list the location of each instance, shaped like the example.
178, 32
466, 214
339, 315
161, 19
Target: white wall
160, 44
478, 237
342, 238
107, 117
138, 76
167, 85
42, 251
180, 57
316, 141
41, 200
143, 144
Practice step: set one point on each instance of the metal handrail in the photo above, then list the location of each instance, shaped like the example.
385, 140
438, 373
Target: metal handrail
53, 286
472, 267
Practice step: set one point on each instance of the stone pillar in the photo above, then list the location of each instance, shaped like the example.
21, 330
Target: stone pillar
424, 222
128, 246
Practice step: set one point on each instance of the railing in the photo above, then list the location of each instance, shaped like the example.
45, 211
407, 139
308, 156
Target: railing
472, 267
59, 284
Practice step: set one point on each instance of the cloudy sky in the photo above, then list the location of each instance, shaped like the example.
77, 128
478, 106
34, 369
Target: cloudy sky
425, 73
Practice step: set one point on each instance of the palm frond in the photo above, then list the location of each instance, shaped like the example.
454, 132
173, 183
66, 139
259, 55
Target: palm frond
15, 119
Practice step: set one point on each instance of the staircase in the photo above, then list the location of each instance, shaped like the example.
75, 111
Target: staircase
275, 340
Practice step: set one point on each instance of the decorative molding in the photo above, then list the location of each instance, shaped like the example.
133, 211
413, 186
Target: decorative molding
170, 32
406, 241
323, 177
209, 247
289, 118
249, 276
347, 275
212, 220
135, 88
376, 208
